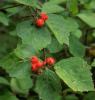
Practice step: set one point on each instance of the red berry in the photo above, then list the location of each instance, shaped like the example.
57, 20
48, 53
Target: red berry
34, 68
40, 22
34, 59
39, 64
44, 16
50, 60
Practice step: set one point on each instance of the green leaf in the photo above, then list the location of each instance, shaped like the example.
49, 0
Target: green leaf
61, 27
13, 33
25, 51
75, 73
92, 4
38, 38
72, 6
28, 2
88, 18
93, 33
55, 46
4, 19
57, 1
89, 96
21, 84
8, 62
14, 10
84, 1
51, 8
48, 86
93, 63
8, 96
76, 47
71, 97
20, 71
3, 81
15, 67
77, 33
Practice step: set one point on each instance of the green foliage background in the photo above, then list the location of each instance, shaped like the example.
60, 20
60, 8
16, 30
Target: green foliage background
68, 36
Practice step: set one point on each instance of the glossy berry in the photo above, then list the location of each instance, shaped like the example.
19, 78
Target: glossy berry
40, 22
34, 59
50, 61
34, 68
44, 16
36, 64
39, 64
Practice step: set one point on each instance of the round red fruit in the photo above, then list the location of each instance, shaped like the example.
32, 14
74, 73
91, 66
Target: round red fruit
34, 68
44, 16
50, 61
40, 22
34, 59
39, 64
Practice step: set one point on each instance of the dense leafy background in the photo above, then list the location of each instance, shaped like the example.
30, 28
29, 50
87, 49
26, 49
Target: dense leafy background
68, 36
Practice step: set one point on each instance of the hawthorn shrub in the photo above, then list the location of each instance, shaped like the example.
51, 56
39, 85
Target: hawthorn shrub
47, 49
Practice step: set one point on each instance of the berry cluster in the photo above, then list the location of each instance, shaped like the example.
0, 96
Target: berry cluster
37, 64
41, 21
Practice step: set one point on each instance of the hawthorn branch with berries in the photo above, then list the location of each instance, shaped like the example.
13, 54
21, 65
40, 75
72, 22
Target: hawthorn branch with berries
37, 65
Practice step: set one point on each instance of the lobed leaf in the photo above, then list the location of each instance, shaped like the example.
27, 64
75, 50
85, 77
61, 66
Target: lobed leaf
75, 73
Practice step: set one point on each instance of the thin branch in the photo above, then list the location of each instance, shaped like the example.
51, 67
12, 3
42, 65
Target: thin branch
44, 53
10, 7
24, 17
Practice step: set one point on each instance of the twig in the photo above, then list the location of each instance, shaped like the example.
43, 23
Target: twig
44, 53
10, 7
24, 17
